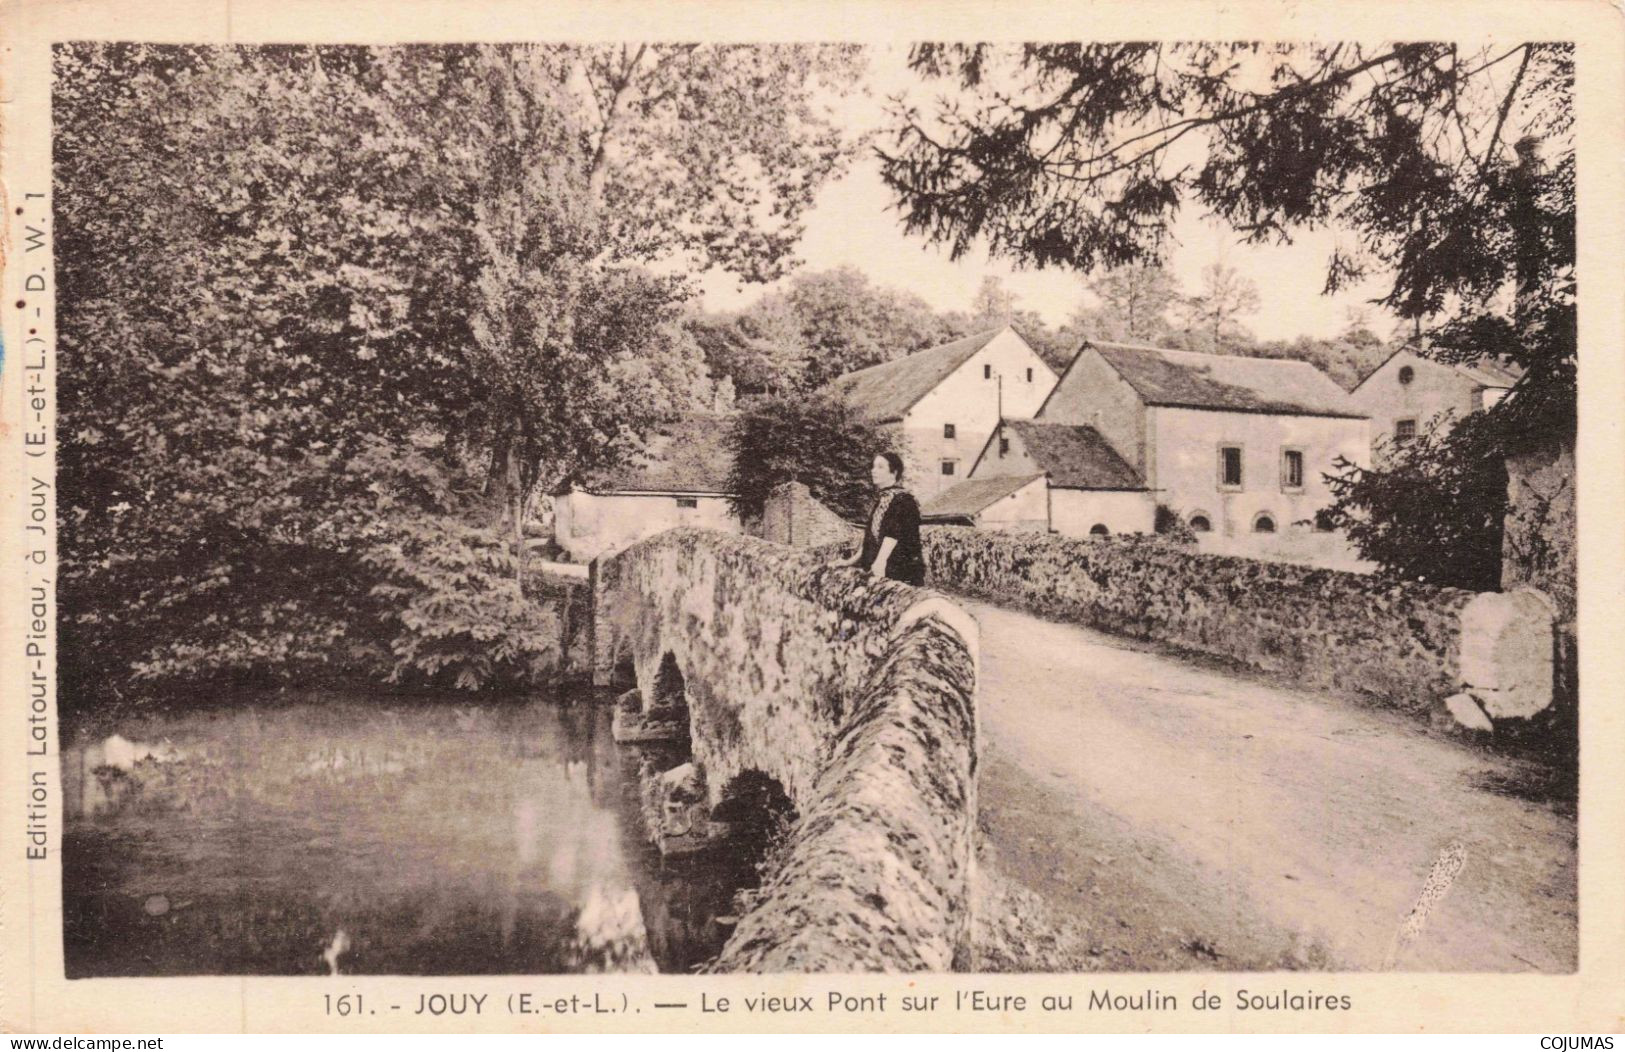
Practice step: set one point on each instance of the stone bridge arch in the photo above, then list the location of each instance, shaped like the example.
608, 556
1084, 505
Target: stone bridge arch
854, 697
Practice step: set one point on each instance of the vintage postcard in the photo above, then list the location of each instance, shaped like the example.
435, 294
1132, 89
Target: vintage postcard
822, 516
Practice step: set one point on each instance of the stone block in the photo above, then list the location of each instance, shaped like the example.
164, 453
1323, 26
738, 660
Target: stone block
1506, 652
631, 728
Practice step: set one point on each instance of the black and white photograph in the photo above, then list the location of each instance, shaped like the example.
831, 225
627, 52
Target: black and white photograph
1082, 506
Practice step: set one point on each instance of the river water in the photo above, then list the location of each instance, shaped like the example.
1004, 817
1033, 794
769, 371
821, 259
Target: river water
360, 834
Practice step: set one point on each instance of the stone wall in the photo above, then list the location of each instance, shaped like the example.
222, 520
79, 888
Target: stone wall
1399, 644
856, 696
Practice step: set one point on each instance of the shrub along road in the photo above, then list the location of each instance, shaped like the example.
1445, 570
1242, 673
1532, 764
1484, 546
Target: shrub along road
1187, 817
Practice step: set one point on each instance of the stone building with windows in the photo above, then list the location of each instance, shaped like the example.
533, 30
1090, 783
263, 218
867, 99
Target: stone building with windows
1237, 446
1089, 489
942, 404
681, 479
1017, 503
1406, 393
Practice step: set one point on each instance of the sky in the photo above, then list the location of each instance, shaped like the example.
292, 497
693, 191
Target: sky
854, 222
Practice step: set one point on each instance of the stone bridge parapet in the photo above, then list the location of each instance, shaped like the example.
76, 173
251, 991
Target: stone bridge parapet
857, 696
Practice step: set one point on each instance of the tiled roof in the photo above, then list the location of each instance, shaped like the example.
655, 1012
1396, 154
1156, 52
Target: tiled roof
1490, 373
1486, 371
973, 496
1223, 381
885, 392
688, 455
1075, 456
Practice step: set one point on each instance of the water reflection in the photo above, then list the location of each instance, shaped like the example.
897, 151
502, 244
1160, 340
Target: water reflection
333, 835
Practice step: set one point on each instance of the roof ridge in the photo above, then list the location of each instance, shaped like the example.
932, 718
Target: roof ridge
886, 391
988, 333
1206, 354
999, 486
1232, 382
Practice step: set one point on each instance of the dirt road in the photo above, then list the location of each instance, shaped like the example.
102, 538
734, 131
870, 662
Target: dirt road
1185, 817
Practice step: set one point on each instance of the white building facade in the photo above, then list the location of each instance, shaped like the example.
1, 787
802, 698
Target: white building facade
1091, 491
1407, 393
680, 480
1236, 446
587, 524
942, 404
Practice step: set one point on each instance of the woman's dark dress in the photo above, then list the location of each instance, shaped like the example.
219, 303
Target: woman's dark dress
897, 515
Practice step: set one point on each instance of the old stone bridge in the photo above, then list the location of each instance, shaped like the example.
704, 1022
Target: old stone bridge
853, 698
853, 701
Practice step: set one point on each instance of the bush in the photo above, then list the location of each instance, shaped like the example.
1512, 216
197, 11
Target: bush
1172, 526
459, 618
1432, 508
378, 566
815, 439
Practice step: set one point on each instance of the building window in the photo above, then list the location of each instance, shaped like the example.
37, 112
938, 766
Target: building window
1404, 429
1099, 530
1265, 523
688, 502
1004, 445
987, 372
947, 431
1406, 374
1292, 469
948, 466
1201, 524
1230, 466
1029, 374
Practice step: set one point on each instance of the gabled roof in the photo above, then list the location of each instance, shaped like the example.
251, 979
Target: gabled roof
687, 455
1486, 372
973, 496
1489, 372
1192, 380
884, 392
1075, 456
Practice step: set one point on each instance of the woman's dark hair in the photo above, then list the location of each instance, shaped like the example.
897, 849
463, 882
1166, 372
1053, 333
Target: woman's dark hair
894, 462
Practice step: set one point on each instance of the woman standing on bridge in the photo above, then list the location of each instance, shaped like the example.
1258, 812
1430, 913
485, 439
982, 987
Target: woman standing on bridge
891, 540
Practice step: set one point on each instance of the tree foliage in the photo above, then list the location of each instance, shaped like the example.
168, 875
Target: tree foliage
819, 325
1431, 508
815, 439
1213, 314
319, 306
1134, 302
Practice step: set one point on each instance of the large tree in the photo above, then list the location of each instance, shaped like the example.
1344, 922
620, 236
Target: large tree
1213, 314
1134, 302
278, 266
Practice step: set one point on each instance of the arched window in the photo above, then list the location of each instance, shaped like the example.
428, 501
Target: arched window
1201, 523
1406, 374
1264, 523
1099, 530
